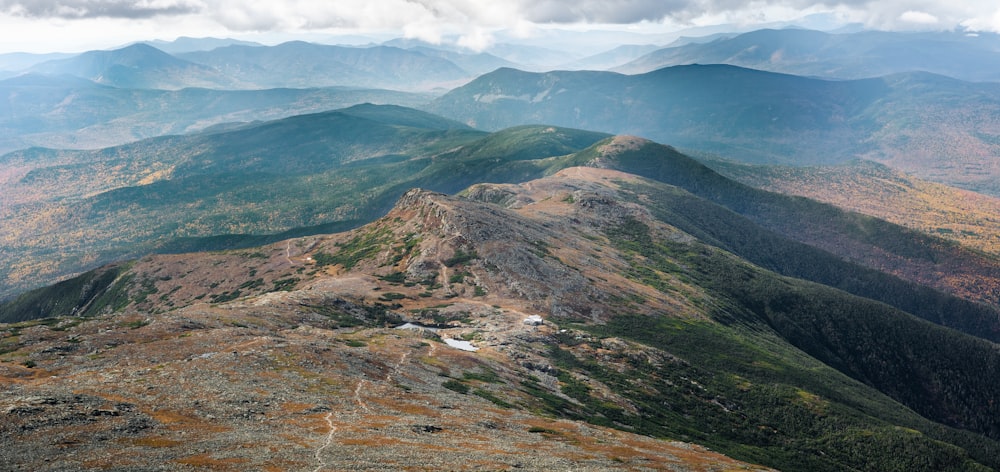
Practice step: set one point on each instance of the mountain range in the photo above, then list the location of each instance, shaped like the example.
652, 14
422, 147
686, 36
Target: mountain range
64, 210
231, 256
295, 64
337, 169
643, 327
855, 55
73, 113
931, 126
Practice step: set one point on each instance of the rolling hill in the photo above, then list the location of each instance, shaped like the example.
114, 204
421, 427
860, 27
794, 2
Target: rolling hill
933, 127
648, 332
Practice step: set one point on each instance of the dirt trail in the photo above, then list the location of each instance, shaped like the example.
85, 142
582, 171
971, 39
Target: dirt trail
359, 393
288, 252
329, 440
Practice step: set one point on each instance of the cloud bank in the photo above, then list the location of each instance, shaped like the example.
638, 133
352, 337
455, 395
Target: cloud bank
474, 20
83, 9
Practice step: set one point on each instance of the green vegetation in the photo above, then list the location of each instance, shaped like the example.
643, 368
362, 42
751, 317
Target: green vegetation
285, 285
460, 257
539, 429
486, 394
394, 278
359, 248
772, 230
95, 292
263, 183
911, 120
486, 375
226, 296
782, 366
456, 386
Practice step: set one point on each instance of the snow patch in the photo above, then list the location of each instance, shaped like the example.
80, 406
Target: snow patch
463, 345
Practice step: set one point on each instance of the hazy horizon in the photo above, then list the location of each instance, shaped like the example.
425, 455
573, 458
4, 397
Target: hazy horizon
40, 26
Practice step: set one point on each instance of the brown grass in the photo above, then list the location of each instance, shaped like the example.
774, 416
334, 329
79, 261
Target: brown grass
156, 441
180, 421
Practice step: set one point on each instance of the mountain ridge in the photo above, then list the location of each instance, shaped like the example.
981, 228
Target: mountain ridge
139, 66
73, 113
909, 121
837, 56
587, 250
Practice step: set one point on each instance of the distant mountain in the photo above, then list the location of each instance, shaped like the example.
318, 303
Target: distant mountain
536, 54
70, 112
18, 61
245, 66
474, 63
299, 64
931, 126
972, 57
685, 40
139, 66
579, 315
610, 59
187, 44
531, 57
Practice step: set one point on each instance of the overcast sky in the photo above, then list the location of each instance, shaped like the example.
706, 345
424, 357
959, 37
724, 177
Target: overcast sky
76, 25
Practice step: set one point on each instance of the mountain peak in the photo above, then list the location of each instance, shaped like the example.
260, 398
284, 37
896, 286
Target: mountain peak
417, 198
622, 143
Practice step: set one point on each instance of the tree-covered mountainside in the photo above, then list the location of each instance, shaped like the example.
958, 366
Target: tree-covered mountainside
331, 171
966, 217
844, 238
66, 211
72, 113
932, 126
648, 324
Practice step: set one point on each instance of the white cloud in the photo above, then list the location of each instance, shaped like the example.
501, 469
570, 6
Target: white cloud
919, 17
473, 21
83, 9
